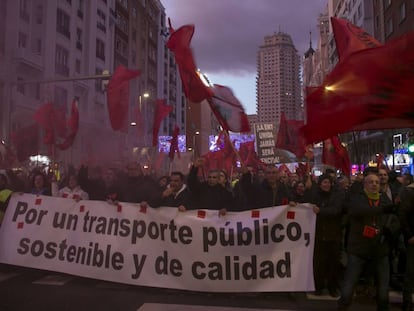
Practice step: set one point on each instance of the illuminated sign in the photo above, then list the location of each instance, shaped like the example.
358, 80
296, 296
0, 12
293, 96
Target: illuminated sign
164, 143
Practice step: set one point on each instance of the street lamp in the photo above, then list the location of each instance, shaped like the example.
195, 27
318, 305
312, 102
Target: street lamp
145, 95
196, 133
143, 110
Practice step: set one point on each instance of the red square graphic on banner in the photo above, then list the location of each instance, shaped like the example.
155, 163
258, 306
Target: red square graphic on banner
38, 201
143, 209
20, 225
201, 214
119, 208
82, 208
255, 214
290, 215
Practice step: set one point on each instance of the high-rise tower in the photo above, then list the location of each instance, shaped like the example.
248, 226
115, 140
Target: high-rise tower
278, 79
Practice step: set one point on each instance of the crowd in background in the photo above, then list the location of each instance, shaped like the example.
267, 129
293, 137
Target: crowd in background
364, 224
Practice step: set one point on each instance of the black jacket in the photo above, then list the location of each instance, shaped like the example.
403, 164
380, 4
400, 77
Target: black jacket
362, 213
183, 197
205, 196
406, 212
329, 219
262, 195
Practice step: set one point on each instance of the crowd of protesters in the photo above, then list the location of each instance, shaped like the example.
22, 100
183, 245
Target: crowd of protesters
364, 224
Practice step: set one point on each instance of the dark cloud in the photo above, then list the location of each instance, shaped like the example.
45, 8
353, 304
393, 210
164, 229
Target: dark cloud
228, 33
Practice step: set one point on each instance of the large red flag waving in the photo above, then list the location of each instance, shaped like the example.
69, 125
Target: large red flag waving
179, 44
228, 110
52, 120
118, 96
161, 111
370, 89
350, 38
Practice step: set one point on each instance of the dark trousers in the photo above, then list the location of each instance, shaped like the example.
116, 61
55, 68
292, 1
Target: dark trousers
408, 287
326, 264
354, 269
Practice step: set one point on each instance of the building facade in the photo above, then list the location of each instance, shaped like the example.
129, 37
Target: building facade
49, 48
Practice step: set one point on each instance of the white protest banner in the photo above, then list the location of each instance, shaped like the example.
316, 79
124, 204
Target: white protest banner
269, 249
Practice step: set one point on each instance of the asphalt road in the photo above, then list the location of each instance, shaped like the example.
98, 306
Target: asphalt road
32, 290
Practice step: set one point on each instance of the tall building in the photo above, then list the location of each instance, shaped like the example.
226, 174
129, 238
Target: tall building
278, 79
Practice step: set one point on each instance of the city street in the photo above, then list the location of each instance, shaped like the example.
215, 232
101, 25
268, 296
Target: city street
30, 289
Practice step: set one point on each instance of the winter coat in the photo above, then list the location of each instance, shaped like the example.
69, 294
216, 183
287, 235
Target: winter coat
363, 215
329, 219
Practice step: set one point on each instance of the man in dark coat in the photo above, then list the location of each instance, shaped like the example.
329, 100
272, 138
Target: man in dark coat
368, 244
137, 187
207, 194
328, 235
177, 193
270, 192
406, 213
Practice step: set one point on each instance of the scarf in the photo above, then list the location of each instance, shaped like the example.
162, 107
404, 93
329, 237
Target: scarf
372, 196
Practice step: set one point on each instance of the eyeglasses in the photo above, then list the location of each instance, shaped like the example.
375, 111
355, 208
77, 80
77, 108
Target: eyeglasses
212, 176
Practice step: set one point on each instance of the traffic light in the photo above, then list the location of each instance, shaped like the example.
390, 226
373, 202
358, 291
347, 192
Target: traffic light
411, 148
410, 145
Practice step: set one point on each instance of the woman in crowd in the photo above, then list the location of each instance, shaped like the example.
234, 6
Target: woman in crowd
40, 184
328, 235
72, 190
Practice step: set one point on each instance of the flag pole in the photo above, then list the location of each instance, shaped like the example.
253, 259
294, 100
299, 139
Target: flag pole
354, 140
226, 133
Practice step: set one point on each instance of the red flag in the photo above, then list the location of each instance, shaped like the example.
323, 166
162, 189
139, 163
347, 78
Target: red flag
224, 143
336, 155
283, 168
118, 96
290, 137
72, 126
350, 38
44, 117
248, 155
179, 44
26, 141
303, 170
161, 111
370, 89
228, 110
174, 144
213, 160
227, 152
381, 162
